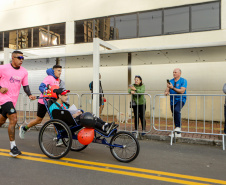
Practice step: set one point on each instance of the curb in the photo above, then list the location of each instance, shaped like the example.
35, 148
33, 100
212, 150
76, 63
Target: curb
182, 140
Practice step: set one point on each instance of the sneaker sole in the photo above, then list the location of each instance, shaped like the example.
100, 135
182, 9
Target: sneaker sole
14, 155
20, 132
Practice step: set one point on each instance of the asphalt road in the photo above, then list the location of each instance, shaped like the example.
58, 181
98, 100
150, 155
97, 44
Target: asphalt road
158, 163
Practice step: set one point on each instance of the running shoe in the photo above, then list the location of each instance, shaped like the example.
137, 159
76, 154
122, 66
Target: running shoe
21, 132
15, 151
59, 143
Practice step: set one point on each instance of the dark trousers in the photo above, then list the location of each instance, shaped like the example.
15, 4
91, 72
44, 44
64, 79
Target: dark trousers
176, 111
139, 112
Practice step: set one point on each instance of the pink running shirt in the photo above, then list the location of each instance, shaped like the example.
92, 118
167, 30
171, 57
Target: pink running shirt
49, 80
12, 79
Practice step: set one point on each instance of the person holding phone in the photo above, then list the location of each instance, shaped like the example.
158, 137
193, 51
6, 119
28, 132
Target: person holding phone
177, 85
140, 102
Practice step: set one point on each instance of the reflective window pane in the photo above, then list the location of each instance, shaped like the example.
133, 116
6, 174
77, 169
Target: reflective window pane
10, 39
6, 39
84, 31
24, 38
57, 34
150, 23
126, 26
40, 36
176, 20
1, 41
205, 16
105, 28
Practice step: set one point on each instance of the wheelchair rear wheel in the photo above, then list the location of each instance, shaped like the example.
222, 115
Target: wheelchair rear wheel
76, 145
124, 146
51, 132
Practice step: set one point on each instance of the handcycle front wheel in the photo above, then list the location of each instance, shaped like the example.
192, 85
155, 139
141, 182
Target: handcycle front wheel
49, 135
124, 147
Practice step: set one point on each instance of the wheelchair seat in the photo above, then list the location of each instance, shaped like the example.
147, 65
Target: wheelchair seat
50, 102
65, 116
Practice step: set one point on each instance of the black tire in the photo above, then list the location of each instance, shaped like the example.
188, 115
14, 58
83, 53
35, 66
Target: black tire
48, 138
76, 145
130, 149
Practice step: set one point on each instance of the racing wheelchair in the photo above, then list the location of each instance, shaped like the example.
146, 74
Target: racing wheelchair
62, 126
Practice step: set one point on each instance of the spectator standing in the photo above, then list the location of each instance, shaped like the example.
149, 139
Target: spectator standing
177, 85
139, 107
101, 96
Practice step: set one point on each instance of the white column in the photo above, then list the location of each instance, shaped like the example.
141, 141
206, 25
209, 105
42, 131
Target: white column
7, 55
96, 65
70, 32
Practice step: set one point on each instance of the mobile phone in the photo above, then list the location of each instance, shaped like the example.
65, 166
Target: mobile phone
168, 81
130, 85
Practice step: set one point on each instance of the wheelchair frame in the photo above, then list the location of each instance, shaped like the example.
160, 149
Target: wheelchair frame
62, 126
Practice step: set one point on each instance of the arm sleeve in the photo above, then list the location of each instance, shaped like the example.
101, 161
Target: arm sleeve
184, 84
44, 84
27, 90
42, 87
141, 89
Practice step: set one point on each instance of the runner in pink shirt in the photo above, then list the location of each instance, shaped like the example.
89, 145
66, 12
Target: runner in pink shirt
12, 76
50, 80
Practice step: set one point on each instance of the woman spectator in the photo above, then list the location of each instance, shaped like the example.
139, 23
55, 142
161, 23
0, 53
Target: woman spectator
138, 102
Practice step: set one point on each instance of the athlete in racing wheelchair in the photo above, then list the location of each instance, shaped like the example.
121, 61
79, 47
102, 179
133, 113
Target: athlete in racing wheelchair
61, 103
76, 129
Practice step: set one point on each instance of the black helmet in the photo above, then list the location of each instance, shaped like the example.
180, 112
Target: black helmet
87, 120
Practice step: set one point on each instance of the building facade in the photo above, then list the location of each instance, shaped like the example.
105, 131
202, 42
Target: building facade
157, 36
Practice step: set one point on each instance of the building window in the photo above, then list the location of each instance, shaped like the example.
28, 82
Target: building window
205, 17
150, 23
24, 38
1, 41
126, 26
104, 28
10, 39
57, 34
176, 20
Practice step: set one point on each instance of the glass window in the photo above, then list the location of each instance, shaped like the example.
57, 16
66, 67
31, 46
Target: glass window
57, 34
79, 31
126, 26
88, 31
150, 23
6, 39
12, 36
176, 20
205, 16
84, 31
40, 36
104, 28
24, 38
1, 41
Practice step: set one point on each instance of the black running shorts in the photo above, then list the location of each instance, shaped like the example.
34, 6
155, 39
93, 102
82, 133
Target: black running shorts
41, 110
7, 108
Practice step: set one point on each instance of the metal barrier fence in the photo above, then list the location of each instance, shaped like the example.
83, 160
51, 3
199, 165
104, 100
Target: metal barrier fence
201, 114
117, 109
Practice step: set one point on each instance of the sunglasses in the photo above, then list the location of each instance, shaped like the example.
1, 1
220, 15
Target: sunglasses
20, 58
